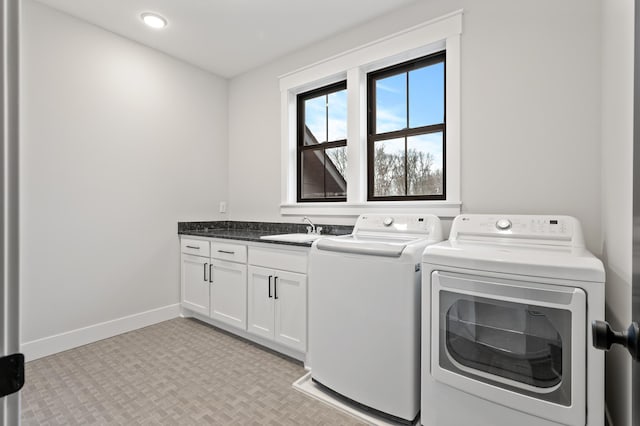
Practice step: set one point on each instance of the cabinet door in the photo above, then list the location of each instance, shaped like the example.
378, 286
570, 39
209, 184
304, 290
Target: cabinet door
195, 283
260, 312
290, 295
229, 293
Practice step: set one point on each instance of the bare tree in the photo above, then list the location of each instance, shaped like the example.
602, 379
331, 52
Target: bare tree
390, 173
339, 158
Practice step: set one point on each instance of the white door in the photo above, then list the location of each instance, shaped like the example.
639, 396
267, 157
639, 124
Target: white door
290, 295
635, 305
260, 300
195, 283
229, 293
11, 368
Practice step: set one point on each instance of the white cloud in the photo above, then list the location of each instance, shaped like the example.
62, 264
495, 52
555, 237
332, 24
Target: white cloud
431, 143
387, 88
388, 120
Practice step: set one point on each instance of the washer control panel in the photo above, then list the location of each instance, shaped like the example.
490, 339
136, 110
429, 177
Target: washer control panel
397, 223
535, 227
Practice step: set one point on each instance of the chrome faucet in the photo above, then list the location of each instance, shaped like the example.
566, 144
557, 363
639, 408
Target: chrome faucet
311, 229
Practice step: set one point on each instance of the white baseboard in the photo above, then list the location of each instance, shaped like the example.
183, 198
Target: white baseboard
82, 336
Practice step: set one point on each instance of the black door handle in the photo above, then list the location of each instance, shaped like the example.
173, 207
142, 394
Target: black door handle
270, 276
205, 271
604, 338
210, 274
275, 288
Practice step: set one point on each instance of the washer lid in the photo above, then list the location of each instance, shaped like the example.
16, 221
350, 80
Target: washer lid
370, 245
386, 235
571, 263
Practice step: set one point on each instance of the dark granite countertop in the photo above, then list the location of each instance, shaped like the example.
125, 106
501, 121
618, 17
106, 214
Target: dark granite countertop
252, 231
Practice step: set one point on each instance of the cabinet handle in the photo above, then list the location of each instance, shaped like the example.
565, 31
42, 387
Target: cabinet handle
275, 288
210, 274
193, 247
270, 276
226, 252
205, 271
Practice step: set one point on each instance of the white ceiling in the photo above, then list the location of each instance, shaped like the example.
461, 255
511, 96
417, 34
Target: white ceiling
228, 37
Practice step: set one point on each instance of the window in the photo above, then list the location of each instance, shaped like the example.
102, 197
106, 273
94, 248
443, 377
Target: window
322, 143
418, 154
406, 131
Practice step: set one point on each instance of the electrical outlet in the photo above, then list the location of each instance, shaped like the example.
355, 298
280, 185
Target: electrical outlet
223, 206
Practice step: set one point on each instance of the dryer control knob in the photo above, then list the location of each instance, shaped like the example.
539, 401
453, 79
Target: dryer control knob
503, 224
387, 221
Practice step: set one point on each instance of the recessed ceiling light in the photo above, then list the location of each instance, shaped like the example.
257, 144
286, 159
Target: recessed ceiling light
154, 20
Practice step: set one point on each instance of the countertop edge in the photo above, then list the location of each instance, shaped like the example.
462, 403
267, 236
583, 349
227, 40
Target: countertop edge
210, 234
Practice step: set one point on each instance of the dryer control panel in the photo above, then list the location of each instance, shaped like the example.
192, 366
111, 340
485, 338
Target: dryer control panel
540, 229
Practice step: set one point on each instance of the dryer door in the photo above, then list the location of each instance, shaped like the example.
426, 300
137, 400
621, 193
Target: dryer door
520, 344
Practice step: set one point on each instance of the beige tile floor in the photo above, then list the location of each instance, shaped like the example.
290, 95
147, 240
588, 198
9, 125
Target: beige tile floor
179, 372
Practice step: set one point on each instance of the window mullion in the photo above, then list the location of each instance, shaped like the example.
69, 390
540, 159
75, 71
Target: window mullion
326, 117
406, 168
324, 172
406, 81
326, 145
324, 150
406, 152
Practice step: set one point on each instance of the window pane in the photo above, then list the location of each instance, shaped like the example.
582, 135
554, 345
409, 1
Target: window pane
315, 120
336, 167
391, 103
337, 105
424, 164
312, 165
426, 95
388, 168
517, 342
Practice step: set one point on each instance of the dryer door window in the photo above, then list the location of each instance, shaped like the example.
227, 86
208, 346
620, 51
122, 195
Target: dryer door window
518, 345
513, 336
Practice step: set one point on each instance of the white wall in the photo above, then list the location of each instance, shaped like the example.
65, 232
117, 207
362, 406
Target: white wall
617, 191
530, 110
119, 142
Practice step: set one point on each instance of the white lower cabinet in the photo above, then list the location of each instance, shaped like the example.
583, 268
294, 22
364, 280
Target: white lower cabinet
195, 283
266, 298
261, 302
214, 280
229, 293
277, 299
290, 316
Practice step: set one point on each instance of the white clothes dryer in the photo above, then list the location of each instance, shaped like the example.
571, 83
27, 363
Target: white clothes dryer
507, 306
364, 312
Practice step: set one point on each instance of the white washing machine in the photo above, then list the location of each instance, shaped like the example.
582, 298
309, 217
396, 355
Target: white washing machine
507, 306
364, 312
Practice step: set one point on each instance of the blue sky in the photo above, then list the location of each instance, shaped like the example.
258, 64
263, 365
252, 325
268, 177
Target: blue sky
426, 106
316, 116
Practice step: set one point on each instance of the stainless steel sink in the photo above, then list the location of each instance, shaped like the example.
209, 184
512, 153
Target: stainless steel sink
293, 238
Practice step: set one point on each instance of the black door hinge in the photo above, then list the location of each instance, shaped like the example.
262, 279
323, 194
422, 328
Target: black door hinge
11, 374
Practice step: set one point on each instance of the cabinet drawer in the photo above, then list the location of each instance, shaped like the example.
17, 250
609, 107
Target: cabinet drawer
231, 252
195, 247
287, 260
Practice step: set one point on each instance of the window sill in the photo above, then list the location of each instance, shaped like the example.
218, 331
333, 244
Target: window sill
443, 209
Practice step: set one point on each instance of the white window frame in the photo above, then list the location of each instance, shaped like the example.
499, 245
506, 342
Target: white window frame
438, 34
